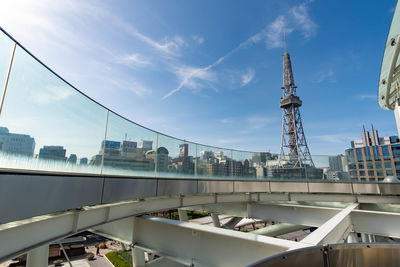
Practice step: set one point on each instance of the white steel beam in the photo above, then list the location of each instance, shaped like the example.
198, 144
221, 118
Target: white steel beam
25, 235
376, 223
190, 243
278, 229
334, 230
294, 214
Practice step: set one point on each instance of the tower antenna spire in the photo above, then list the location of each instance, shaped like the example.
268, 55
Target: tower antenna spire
284, 37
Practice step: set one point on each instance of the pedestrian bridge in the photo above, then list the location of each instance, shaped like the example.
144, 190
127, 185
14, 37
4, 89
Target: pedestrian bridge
69, 164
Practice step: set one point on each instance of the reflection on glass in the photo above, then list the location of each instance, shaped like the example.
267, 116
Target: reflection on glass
6, 48
45, 123
214, 162
243, 166
175, 158
129, 149
48, 125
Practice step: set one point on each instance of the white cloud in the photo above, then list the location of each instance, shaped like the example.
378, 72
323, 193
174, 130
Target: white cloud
367, 96
52, 94
230, 140
333, 138
247, 77
132, 60
226, 121
274, 32
131, 86
324, 76
302, 19
257, 122
168, 46
198, 39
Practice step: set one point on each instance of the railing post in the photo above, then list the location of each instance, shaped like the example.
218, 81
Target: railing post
156, 157
104, 143
7, 79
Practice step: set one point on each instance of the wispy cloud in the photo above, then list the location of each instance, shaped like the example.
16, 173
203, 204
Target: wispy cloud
53, 94
168, 46
226, 121
366, 96
132, 86
302, 19
333, 138
247, 77
272, 35
274, 32
324, 76
230, 141
198, 39
257, 122
132, 60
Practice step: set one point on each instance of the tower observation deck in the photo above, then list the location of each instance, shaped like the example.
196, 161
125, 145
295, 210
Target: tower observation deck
294, 152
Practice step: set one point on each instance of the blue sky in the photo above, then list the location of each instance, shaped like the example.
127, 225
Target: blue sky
211, 71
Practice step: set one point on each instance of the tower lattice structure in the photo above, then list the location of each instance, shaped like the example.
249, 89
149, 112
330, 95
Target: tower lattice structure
294, 149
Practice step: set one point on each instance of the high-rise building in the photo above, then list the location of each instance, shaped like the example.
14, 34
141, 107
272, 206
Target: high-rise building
183, 150
337, 163
145, 145
373, 158
53, 153
18, 144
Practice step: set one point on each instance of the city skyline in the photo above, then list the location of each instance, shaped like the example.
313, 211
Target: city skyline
244, 72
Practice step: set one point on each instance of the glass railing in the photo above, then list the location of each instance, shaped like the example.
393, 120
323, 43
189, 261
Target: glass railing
48, 125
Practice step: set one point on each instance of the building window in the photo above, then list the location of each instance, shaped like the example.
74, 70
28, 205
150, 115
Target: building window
375, 151
363, 179
385, 152
370, 166
362, 173
389, 172
367, 153
378, 165
350, 156
361, 166
360, 157
380, 179
379, 172
371, 173
388, 165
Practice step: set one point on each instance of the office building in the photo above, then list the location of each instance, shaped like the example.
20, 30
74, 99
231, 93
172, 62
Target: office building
373, 158
18, 144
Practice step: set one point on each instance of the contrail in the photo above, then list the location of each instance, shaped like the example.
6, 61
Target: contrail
252, 40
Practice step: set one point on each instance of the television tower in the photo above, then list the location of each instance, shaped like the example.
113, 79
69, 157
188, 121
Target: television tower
294, 144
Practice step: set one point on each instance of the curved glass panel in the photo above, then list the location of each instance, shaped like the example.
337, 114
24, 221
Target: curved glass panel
46, 124
6, 48
175, 158
214, 162
128, 148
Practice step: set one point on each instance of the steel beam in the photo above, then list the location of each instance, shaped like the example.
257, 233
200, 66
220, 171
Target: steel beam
376, 223
334, 230
209, 246
278, 229
294, 214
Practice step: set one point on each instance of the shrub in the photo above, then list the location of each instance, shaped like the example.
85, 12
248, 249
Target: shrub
58, 262
117, 261
90, 256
